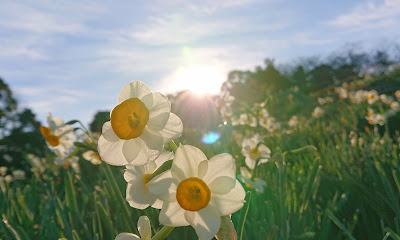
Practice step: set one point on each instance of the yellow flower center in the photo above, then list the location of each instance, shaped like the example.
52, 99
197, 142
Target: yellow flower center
50, 138
146, 180
371, 97
254, 152
129, 118
193, 194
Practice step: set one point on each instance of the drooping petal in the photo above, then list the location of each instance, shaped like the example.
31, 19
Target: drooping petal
110, 151
144, 228
131, 149
173, 129
135, 89
138, 196
205, 222
222, 185
187, 159
163, 187
127, 236
220, 165
156, 103
153, 139
230, 202
172, 214
251, 163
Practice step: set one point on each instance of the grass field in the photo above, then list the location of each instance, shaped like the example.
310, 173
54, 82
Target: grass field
334, 176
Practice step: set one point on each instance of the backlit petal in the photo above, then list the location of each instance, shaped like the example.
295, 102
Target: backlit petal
144, 228
164, 187
220, 165
173, 129
187, 159
172, 215
135, 89
206, 222
230, 202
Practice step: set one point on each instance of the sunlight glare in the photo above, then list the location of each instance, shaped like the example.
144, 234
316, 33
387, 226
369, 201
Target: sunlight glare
200, 80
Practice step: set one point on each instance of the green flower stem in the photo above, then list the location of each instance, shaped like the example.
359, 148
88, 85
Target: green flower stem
173, 146
163, 233
164, 167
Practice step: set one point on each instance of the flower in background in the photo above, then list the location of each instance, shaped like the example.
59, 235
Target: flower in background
18, 174
137, 194
263, 113
374, 119
144, 229
395, 106
386, 99
57, 134
3, 171
37, 164
140, 125
254, 149
343, 94
245, 176
269, 123
293, 122
92, 157
245, 119
397, 94
197, 191
65, 160
318, 112
8, 178
372, 96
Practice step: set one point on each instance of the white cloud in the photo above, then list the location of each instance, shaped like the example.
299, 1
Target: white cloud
371, 15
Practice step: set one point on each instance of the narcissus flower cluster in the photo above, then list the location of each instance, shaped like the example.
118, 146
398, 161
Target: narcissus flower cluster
191, 191
140, 125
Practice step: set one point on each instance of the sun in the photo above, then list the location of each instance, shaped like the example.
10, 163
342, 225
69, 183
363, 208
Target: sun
200, 80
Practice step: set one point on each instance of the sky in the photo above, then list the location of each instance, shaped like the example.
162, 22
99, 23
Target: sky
71, 58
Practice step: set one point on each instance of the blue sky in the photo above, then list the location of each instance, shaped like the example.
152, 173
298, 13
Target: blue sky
72, 58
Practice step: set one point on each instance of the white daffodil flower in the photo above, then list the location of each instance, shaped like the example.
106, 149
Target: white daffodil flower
144, 229
3, 171
137, 194
245, 177
18, 174
92, 157
140, 125
197, 191
318, 112
63, 159
252, 152
57, 134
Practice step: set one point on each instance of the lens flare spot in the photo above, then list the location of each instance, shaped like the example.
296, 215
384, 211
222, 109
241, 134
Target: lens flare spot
211, 137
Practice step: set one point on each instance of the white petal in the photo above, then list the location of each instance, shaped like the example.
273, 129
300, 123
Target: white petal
144, 228
153, 139
163, 187
172, 215
251, 163
127, 236
187, 159
203, 167
131, 149
173, 129
156, 103
135, 89
222, 185
138, 196
157, 204
158, 123
230, 202
245, 172
206, 222
132, 173
111, 152
220, 165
